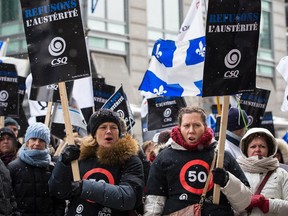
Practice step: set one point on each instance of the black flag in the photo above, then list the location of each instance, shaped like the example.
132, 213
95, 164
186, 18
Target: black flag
9, 97
163, 111
232, 34
56, 41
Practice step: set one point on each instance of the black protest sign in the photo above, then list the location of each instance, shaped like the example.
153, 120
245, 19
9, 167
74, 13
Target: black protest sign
163, 111
255, 105
232, 34
9, 97
56, 41
49, 93
118, 103
267, 122
101, 93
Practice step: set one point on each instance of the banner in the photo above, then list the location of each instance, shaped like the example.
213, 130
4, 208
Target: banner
102, 92
255, 105
56, 41
232, 35
118, 103
163, 111
175, 68
9, 97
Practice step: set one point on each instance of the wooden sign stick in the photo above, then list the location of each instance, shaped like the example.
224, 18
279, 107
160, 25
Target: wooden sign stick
68, 127
2, 119
48, 114
221, 145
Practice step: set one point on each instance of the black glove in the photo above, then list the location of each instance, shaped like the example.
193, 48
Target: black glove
77, 188
70, 153
220, 176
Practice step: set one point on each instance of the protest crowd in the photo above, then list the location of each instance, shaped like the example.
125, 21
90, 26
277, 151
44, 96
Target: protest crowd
67, 158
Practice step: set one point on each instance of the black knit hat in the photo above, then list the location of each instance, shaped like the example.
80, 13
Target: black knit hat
7, 131
10, 121
102, 116
237, 119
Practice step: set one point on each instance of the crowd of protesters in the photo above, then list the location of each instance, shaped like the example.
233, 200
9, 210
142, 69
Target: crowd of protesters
120, 176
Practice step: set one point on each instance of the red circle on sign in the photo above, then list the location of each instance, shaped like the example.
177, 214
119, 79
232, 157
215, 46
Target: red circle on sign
99, 170
183, 172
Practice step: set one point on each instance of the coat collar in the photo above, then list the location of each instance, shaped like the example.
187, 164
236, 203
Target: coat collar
118, 153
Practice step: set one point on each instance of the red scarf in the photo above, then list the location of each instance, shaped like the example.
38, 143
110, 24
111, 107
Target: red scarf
203, 142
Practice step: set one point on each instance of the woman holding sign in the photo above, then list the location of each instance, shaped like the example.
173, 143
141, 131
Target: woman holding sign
181, 171
111, 172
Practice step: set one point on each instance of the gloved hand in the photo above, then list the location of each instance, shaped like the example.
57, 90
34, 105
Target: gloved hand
265, 205
77, 188
259, 201
70, 153
220, 176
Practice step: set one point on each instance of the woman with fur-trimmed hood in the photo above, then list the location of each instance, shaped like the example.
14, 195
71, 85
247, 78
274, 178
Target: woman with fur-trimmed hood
111, 172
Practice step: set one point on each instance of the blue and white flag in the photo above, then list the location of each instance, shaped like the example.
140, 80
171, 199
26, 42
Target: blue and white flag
3, 47
176, 68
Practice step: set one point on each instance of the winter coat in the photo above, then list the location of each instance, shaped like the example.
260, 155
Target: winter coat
275, 189
177, 178
113, 180
30, 185
7, 200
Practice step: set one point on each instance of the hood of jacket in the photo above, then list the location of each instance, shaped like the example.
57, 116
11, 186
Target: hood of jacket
243, 142
283, 148
122, 150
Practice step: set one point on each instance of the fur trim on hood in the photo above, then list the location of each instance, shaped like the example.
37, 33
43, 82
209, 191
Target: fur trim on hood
283, 147
117, 154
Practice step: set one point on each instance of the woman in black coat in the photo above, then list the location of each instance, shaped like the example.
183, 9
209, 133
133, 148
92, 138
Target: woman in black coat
30, 173
111, 172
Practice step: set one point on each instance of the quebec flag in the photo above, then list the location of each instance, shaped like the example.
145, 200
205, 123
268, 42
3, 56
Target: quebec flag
176, 68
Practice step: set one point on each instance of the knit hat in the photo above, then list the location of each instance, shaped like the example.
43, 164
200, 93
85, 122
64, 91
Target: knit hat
10, 121
38, 130
7, 131
235, 119
164, 136
102, 116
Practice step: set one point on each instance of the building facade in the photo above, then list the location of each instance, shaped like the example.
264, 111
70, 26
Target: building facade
121, 34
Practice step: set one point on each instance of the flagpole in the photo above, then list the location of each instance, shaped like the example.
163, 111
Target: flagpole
48, 114
221, 145
68, 127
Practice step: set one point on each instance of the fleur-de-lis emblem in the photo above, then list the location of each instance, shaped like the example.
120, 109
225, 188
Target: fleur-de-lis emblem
159, 91
158, 53
201, 50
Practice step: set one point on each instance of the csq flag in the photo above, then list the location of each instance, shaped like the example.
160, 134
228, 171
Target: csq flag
255, 105
3, 47
163, 111
175, 68
119, 103
55, 41
9, 97
232, 35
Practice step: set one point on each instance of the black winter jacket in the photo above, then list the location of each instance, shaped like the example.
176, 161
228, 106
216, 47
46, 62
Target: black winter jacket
113, 180
7, 200
30, 185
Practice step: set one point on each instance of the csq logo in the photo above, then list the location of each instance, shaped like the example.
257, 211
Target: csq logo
57, 47
231, 60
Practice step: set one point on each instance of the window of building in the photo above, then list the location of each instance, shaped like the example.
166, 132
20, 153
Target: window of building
9, 10
107, 24
163, 19
265, 63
